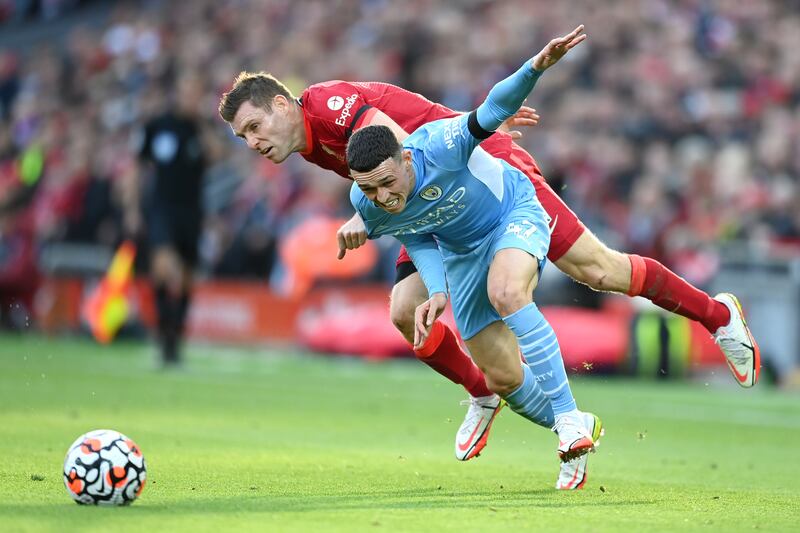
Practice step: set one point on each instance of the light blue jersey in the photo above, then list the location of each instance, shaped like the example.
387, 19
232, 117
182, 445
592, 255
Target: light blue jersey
461, 192
466, 205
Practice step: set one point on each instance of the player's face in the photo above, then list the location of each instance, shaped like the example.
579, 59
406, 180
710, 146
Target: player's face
389, 184
270, 133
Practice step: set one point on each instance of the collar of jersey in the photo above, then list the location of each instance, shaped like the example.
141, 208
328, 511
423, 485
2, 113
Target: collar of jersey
419, 169
309, 136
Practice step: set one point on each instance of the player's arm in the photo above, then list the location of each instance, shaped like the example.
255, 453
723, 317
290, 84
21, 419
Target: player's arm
132, 181
365, 223
525, 116
379, 118
507, 96
425, 254
355, 232
427, 258
452, 146
351, 235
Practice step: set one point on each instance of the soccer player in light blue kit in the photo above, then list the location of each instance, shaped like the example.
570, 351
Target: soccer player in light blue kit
472, 220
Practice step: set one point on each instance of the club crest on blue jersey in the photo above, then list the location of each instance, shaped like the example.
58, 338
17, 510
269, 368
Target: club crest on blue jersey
434, 192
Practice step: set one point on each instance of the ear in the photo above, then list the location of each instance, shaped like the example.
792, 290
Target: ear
407, 156
280, 102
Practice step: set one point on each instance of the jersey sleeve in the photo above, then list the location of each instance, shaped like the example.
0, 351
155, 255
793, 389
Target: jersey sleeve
450, 143
427, 259
338, 107
505, 99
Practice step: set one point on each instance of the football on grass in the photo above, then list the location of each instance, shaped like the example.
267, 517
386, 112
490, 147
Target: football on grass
104, 467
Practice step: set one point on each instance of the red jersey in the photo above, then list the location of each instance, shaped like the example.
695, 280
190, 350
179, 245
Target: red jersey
334, 109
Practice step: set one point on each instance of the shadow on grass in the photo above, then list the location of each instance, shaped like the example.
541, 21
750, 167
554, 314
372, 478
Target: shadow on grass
252, 501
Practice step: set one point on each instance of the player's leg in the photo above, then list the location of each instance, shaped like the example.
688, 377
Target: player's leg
496, 352
443, 353
167, 279
590, 261
580, 255
518, 253
182, 303
573, 474
513, 275
186, 248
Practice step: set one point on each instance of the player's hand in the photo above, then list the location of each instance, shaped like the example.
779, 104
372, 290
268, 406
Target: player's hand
556, 49
526, 116
425, 315
351, 235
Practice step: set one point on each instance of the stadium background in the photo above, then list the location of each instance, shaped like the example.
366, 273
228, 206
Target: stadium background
673, 132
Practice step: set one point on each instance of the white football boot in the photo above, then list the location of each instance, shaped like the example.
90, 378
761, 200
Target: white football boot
572, 475
474, 431
574, 439
738, 344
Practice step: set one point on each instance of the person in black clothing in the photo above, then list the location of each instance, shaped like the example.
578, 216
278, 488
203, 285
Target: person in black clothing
170, 180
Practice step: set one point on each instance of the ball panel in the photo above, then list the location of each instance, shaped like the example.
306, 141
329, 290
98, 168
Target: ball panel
104, 467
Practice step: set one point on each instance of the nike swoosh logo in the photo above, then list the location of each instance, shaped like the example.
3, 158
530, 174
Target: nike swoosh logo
574, 477
553, 225
467, 443
741, 377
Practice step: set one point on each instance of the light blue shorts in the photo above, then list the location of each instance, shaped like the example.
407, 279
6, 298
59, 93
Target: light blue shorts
524, 228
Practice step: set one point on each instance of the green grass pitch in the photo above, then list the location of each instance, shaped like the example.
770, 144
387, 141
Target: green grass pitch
250, 440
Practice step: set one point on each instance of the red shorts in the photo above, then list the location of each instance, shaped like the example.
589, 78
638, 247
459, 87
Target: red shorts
564, 224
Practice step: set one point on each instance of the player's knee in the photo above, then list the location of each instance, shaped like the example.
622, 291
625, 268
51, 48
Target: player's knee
401, 312
502, 381
508, 296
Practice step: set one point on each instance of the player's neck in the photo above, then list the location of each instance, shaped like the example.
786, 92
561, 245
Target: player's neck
298, 122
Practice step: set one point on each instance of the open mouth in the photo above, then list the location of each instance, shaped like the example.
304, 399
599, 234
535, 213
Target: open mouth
267, 151
392, 204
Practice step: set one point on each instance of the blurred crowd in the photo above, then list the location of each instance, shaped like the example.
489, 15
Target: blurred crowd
17, 11
674, 130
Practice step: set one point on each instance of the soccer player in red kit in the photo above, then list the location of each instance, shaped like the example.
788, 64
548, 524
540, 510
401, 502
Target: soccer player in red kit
318, 124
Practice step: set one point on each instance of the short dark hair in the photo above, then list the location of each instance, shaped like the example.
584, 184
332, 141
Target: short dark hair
259, 88
371, 146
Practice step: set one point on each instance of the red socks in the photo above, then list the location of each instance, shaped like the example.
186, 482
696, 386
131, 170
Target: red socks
442, 353
660, 285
